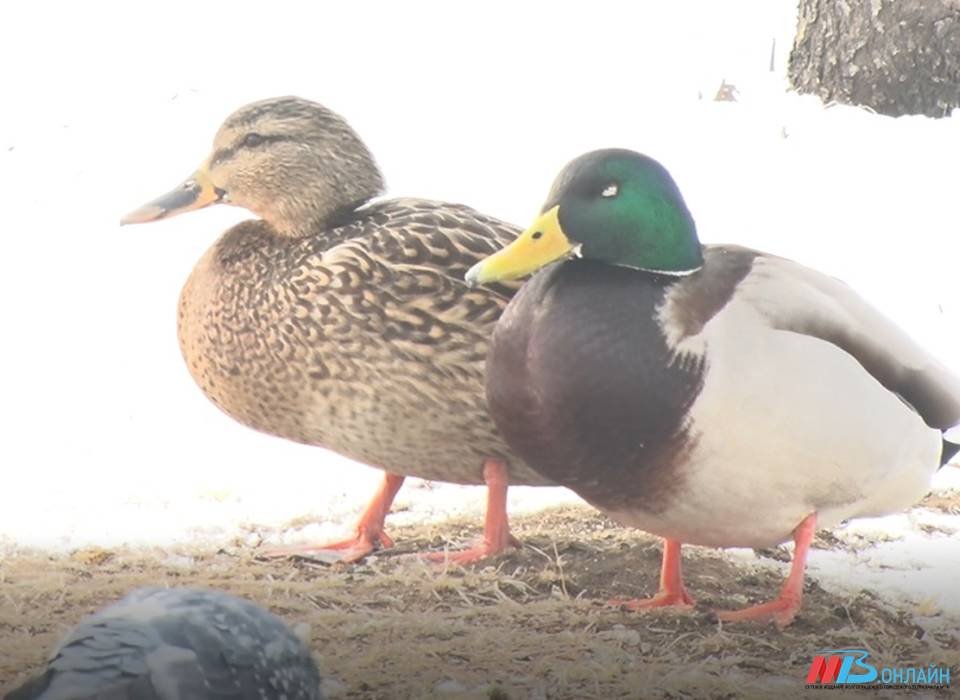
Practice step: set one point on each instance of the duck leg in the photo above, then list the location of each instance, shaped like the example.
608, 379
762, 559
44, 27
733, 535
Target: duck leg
369, 529
496, 527
672, 592
784, 607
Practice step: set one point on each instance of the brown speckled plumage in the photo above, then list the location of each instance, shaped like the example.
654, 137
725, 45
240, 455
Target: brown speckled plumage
363, 340
337, 321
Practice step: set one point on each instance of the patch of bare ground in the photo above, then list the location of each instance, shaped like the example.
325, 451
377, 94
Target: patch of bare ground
530, 624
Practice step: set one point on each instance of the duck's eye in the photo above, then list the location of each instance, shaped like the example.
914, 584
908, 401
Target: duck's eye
536, 235
610, 190
252, 140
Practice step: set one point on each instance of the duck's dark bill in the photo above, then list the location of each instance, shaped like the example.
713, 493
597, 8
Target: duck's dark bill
196, 192
539, 245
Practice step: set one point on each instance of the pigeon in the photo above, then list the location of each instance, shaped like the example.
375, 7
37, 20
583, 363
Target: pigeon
178, 644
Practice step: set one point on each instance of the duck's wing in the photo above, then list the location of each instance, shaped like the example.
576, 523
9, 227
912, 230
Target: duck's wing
797, 299
404, 261
418, 234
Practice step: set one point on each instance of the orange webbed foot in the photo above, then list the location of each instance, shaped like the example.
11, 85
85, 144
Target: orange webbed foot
784, 608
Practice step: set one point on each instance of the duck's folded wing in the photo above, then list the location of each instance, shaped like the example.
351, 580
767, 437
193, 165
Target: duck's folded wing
795, 298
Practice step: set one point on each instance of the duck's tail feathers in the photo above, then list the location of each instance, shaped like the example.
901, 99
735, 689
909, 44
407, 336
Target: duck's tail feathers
951, 444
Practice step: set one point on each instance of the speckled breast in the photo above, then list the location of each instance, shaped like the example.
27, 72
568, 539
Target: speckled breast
363, 344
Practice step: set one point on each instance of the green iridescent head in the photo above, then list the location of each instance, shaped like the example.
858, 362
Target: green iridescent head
615, 206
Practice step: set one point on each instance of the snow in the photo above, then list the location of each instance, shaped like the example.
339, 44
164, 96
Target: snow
106, 439
912, 555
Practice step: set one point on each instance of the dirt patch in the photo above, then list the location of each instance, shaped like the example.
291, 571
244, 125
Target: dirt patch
532, 624
944, 501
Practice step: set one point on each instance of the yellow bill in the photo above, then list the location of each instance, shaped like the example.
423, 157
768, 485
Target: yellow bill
539, 245
196, 192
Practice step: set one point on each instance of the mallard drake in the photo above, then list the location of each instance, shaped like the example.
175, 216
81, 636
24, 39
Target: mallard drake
177, 644
339, 321
713, 395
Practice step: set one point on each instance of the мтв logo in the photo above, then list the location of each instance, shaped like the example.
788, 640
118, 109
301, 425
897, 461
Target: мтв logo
834, 667
849, 667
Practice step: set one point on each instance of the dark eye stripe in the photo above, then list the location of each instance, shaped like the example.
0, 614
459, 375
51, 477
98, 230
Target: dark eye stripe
230, 151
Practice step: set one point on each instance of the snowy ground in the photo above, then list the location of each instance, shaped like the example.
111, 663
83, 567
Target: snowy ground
106, 440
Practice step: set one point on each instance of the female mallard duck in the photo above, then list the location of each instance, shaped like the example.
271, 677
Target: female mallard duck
713, 395
341, 322
178, 644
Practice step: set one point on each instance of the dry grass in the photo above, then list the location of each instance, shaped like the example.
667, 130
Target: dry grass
944, 501
529, 625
